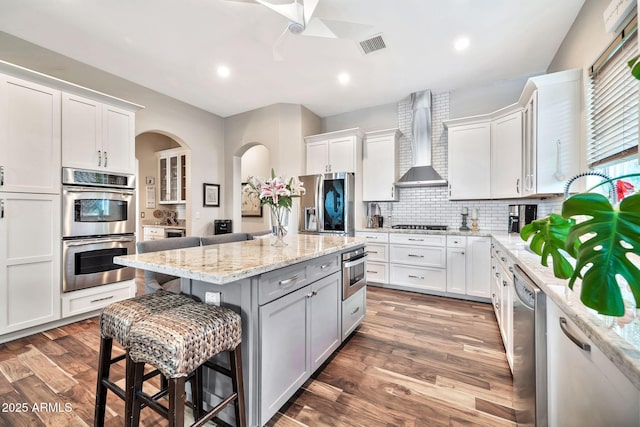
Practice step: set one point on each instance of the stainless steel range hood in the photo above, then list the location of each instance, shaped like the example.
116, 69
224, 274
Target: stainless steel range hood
421, 173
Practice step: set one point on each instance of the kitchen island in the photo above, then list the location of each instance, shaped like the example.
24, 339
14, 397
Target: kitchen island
290, 300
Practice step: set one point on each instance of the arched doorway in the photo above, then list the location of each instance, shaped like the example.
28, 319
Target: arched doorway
252, 159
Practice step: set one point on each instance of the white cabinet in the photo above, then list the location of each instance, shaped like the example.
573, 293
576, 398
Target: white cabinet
152, 233
380, 160
29, 137
502, 291
333, 152
506, 156
456, 266
584, 386
311, 317
551, 131
378, 256
469, 265
418, 261
29, 260
470, 161
97, 136
172, 174
93, 299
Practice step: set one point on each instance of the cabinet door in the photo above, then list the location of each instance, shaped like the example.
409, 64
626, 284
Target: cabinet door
29, 260
379, 168
506, 156
584, 387
530, 138
118, 140
456, 270
342, 155
317, 157
478, 258
29, 137
284, 350
325, 322
81, 132
470, 161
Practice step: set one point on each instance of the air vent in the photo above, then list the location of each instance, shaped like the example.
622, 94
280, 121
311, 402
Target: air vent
372, 44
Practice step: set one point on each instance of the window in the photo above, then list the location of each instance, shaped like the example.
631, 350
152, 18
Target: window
613, 103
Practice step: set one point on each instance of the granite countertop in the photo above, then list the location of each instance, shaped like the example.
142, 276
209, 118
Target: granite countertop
226, 263
174, 227
450, 232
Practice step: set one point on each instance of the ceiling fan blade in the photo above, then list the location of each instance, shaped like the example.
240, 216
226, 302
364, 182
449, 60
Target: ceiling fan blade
338, 29
277, 56
309, 6
317, 28
292, 11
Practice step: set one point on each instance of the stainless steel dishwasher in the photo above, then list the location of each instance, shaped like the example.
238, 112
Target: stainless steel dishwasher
529, 352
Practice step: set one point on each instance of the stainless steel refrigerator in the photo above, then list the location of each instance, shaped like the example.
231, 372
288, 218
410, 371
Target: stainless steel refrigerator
327, 205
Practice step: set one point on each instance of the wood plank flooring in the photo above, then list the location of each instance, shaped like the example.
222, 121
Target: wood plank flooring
416, 360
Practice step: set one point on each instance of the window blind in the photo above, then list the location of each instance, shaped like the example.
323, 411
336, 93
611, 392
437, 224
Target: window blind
613, 102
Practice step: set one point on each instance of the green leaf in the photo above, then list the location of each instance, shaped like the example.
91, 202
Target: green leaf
606, 239
549, 236
634, 64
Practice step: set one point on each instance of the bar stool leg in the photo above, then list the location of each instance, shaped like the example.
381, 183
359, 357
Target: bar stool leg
104, 365
177, 397
237, 381
197, 395
134, 378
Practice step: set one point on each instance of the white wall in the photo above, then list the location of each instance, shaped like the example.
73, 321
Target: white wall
368, 119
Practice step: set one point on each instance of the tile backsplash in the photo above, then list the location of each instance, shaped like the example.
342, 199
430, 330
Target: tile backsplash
431, 205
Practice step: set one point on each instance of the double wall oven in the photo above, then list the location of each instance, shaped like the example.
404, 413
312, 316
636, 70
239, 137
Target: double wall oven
98, 223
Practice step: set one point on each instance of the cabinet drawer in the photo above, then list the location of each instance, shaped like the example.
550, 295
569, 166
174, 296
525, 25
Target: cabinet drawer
377, 252
322, 267
456, 241
278, 283
373, 237
425, 256
419, 277
353, 311
86, 300
502, 259
377, 272
154, 231
418, 239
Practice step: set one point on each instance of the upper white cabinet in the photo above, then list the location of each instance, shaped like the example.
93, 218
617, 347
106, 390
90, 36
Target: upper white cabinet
334, 152
172, 174
470, 160
506, 155
380, 158
97, 136
551, 129
29, 137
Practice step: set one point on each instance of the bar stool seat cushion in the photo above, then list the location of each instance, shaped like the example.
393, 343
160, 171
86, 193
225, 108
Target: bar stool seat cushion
116, 319
179, 340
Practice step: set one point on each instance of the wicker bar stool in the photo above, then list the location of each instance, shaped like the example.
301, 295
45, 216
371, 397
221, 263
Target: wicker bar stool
179, 342
115, 323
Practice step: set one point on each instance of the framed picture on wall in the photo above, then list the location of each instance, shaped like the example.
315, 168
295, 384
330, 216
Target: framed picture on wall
250, 204
211, 195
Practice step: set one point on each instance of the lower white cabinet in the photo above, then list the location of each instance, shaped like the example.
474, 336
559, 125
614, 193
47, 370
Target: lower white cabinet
502, 290
152, 233
299, 331
353, 312
92, 299
478, 266
584, 386
29, 260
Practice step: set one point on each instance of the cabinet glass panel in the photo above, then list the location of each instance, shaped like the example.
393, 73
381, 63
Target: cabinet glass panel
174, 178
163, 179
183, 179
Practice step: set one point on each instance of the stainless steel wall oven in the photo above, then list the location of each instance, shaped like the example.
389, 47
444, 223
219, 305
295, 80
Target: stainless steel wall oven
98, 223
354, 276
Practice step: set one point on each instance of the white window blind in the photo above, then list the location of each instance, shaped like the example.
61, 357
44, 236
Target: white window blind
613, 102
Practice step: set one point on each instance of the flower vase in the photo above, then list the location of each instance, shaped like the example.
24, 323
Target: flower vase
279, 224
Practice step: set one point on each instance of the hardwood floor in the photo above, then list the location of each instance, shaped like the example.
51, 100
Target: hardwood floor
416, 360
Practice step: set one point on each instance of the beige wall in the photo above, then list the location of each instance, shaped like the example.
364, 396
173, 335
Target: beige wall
256, 161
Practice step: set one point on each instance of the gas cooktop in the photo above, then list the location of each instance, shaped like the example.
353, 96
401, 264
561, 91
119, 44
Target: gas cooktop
419, 227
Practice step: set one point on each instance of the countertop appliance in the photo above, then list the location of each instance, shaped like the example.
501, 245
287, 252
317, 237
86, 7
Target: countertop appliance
327, 205
521, 215
420, 227
529, 352
354, 276
222, 226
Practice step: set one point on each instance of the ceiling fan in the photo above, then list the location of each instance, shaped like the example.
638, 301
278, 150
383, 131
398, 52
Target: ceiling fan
299, 13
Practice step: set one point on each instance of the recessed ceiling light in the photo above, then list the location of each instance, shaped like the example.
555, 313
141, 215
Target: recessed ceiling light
461, 43
344, 78
223, 71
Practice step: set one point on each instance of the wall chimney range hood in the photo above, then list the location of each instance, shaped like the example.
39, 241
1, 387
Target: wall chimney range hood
421, 173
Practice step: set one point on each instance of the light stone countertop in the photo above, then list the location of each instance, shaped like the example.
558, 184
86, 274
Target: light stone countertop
229, 262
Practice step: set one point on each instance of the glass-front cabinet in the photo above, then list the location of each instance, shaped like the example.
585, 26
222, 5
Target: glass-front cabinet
172, 176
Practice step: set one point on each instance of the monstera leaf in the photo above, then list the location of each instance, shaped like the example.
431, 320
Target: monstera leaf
549, 237
605, 240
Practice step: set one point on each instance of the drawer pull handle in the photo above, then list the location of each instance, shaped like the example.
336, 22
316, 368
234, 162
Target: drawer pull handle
371, 237
327, 265
416, 277
504, 283
373, 252
503, 259
415, 240
356, 310
497, 274
1, 176
416, 256
372, 271
511, 269
565, 328
289, 282
99, 158
102, 299
312, 294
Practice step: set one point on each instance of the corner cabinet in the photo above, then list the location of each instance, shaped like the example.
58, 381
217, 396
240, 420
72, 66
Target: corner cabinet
333, 152
469, 160
97, 136
172, 176
380, 159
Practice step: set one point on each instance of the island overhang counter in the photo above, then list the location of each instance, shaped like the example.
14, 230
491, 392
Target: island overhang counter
290, 300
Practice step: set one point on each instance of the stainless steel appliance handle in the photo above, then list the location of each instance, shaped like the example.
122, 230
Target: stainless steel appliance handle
94, 241
565, 328
357, 261
99, 190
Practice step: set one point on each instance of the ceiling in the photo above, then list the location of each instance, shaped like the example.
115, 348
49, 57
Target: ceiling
175, 46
